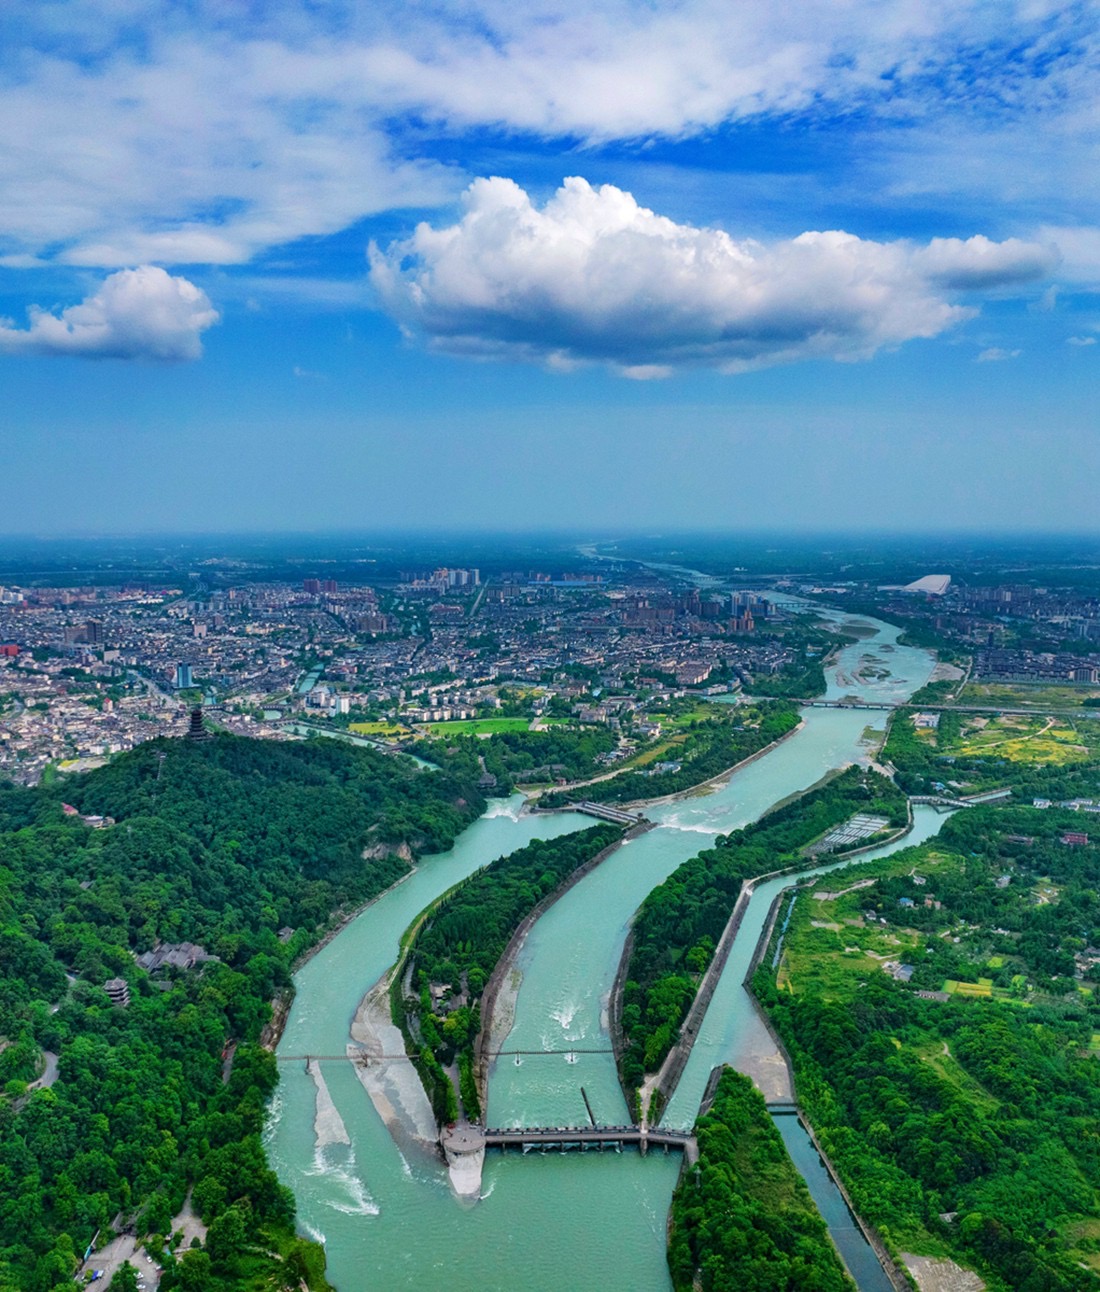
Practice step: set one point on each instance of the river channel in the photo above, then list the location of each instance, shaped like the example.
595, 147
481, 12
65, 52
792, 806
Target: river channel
384, 1207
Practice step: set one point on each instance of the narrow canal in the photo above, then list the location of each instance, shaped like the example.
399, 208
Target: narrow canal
384, 1207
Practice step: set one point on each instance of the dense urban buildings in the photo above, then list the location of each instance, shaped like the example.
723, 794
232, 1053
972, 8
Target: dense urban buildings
428, 647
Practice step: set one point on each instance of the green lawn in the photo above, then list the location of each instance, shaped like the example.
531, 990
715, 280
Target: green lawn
661, 751
983, 987
704, 711
378, 729
475, 727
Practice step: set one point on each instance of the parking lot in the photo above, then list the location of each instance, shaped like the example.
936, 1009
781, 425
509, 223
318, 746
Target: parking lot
102, 1264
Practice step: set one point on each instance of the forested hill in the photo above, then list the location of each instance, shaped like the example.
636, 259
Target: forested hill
222, 843
221, 837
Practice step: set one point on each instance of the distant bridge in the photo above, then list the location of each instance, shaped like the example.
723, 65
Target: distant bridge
968, 800
365, 1057
606, 813
938, 800
850, 704
1076, 711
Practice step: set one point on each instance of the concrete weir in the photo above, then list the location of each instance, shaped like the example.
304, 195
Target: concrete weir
464, 1145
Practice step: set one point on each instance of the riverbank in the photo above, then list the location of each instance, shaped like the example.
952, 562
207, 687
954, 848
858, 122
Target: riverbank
713, 782
535, 794
744, 1171
690, 910
272, 1032
770, 1072
693, 791
387, 1074
455, 947
661, 1085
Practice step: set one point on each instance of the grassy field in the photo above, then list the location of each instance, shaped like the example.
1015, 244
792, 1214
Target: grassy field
938, 1056
1087, 1233
983, 987
830, 948
382, 729
475, 727
1041, 739
1027, 695
701, 713
665, 750
826, 960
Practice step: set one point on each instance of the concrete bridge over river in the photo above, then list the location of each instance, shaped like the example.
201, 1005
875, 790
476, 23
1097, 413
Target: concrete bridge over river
850, 704
464, 1139
994, 710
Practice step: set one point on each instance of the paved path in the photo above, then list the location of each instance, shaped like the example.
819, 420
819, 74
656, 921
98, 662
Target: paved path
49, 1073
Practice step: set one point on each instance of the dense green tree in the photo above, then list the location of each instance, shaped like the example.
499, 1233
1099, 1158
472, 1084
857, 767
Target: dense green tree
743, 1219
221, 843
710, 748
125, 1278
981, 1108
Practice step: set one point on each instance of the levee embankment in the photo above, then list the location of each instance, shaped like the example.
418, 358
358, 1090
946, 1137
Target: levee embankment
712, 782
692, 791
659, 1088
498, 998
898, 1276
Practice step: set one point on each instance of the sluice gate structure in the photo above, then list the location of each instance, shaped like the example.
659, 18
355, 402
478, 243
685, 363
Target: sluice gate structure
468, 1138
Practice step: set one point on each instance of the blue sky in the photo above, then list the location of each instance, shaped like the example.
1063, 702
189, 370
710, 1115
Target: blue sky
494, 266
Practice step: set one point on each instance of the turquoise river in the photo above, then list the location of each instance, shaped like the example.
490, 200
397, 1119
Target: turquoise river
383, 1206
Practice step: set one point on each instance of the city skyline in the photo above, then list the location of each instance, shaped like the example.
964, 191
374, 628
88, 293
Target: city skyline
661, 268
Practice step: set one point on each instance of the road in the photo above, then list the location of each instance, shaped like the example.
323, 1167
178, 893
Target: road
49, 1073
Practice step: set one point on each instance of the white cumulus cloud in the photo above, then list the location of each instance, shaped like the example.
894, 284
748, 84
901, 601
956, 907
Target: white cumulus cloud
979, 262
593, 276
142, 313
146, 131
